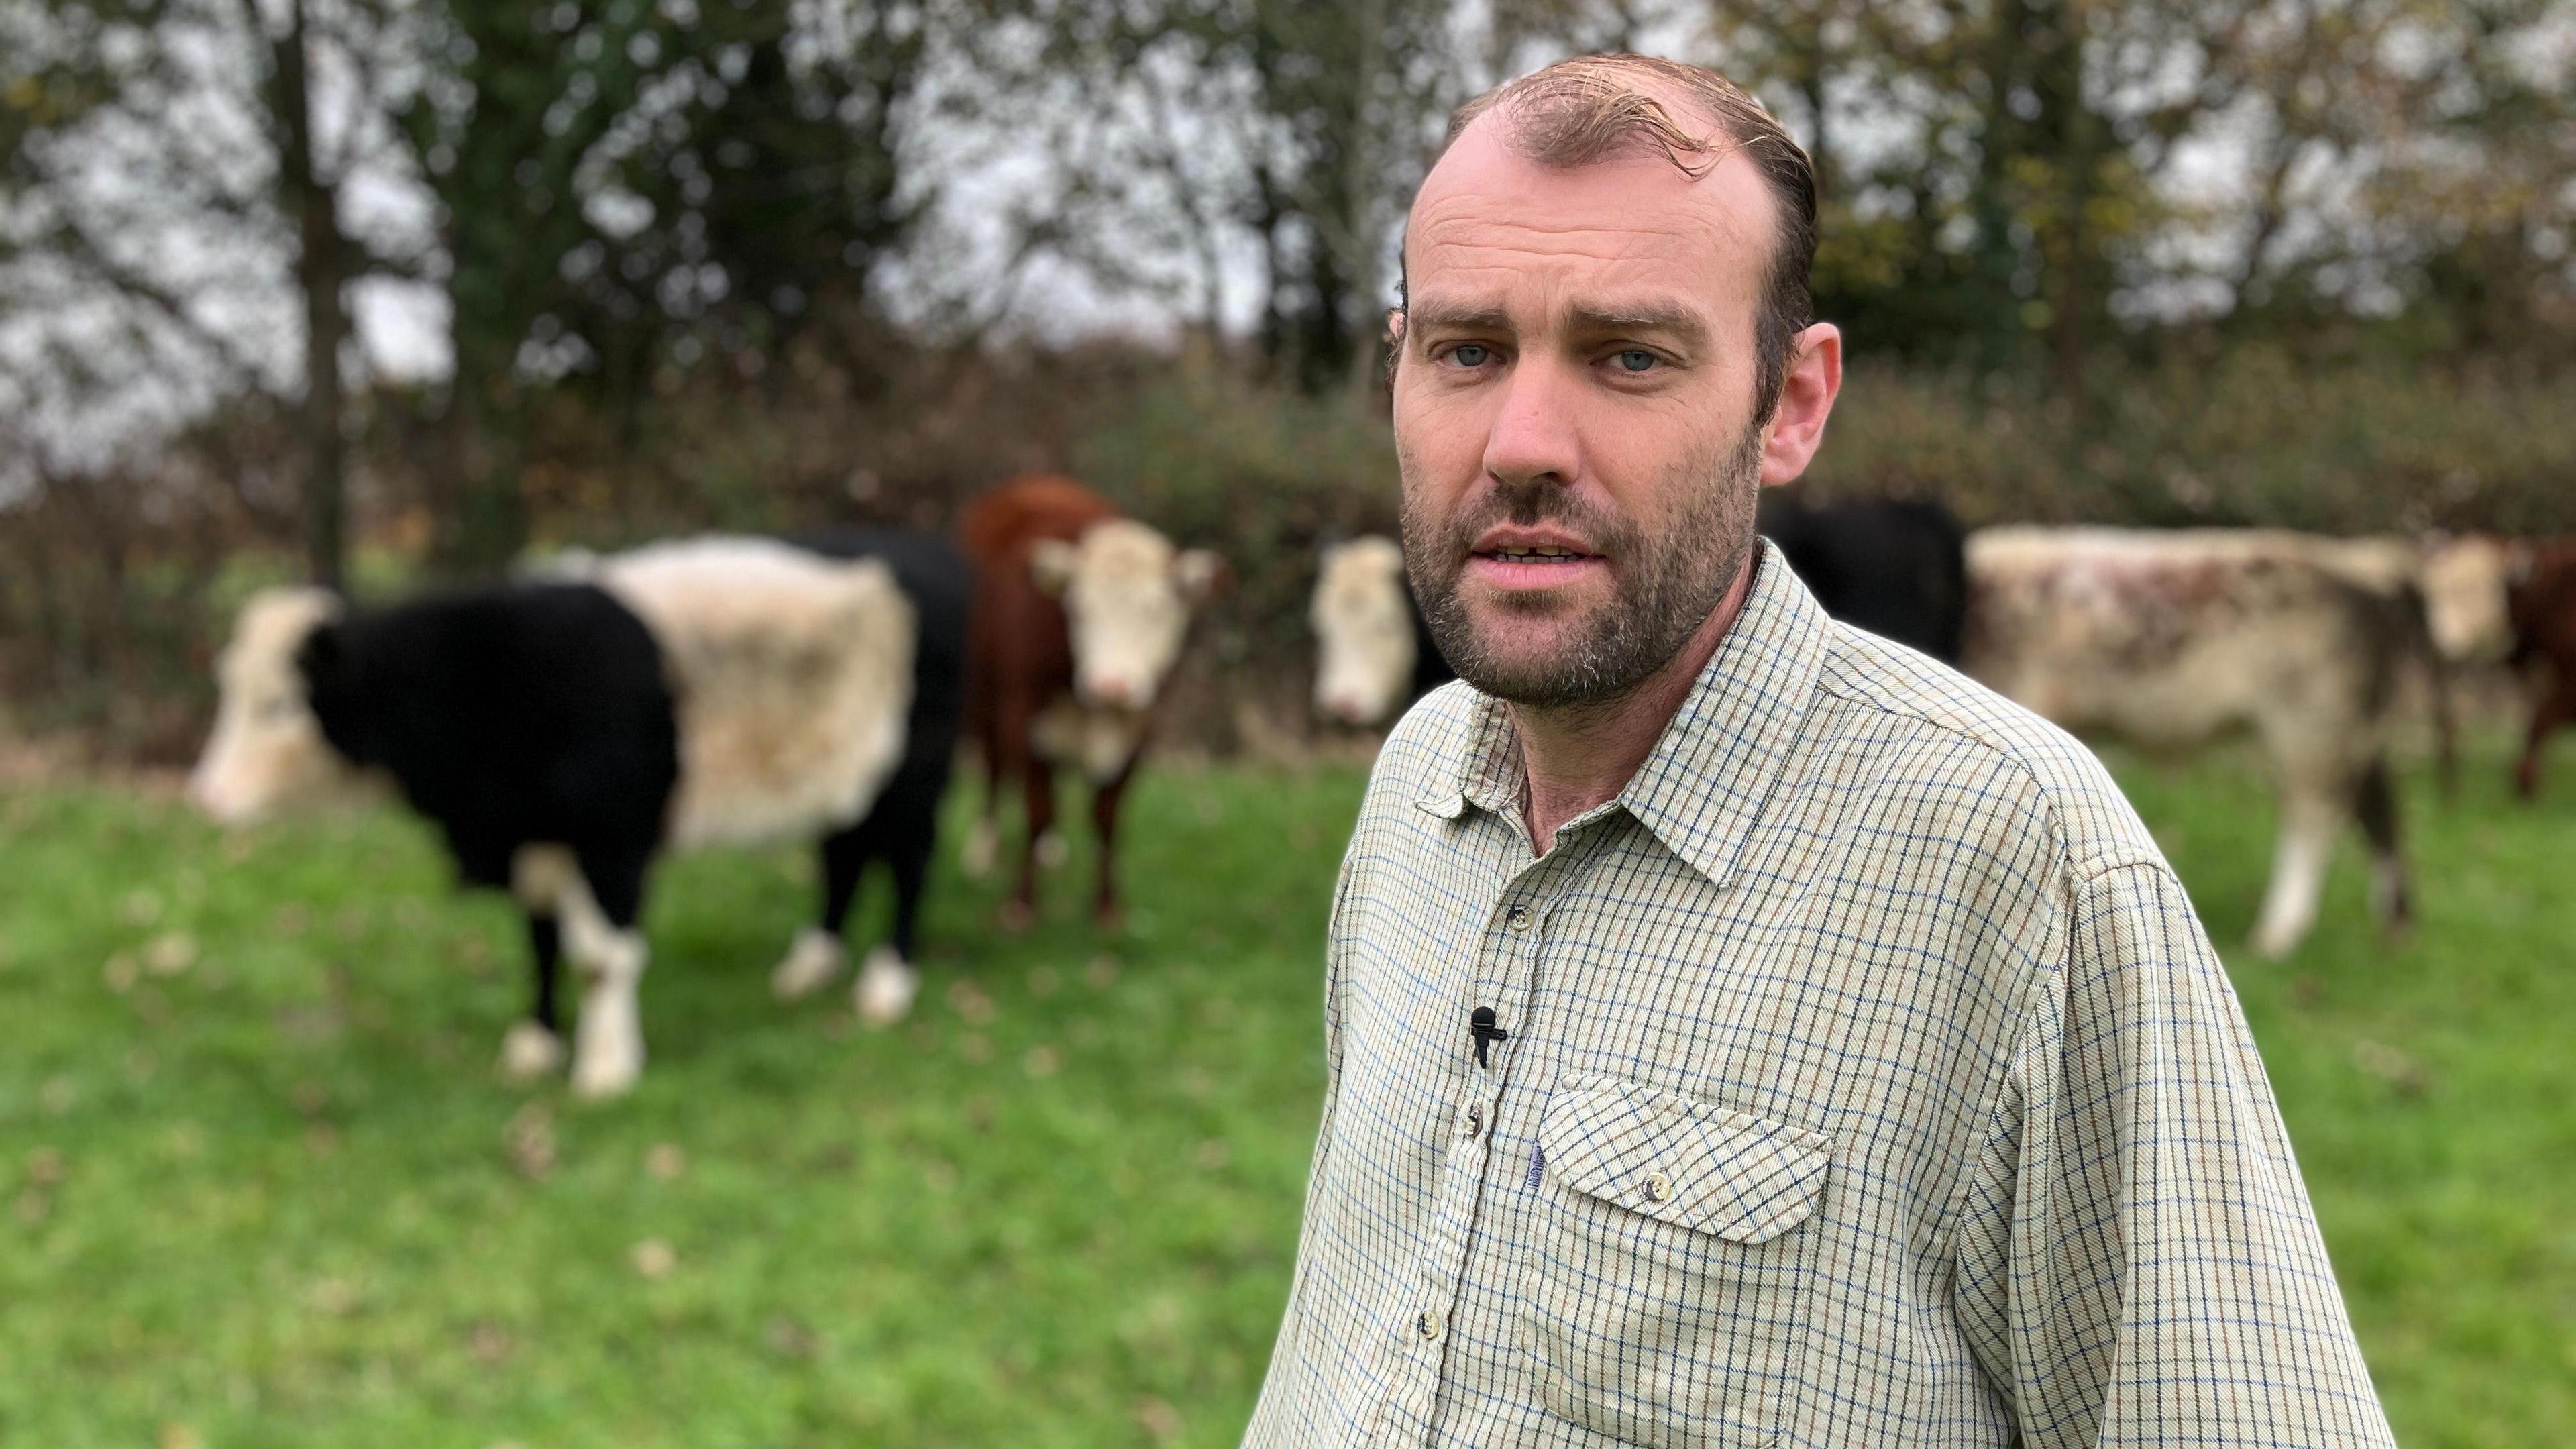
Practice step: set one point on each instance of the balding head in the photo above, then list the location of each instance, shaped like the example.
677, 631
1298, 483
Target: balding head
1597, 108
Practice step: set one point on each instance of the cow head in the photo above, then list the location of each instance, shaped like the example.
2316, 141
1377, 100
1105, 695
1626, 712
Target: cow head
1127, 595
267, 748
1364, 632
2465, 583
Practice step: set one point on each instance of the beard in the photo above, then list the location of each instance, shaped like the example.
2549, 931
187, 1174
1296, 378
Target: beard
1666, 577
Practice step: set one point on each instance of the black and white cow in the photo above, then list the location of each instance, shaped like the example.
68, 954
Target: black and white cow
1895, 567
1374, 654
561, 732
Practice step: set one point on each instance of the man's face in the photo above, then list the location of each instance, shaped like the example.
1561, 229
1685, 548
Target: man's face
1574, 410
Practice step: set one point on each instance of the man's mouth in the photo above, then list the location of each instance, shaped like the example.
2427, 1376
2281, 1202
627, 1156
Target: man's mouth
1545, 554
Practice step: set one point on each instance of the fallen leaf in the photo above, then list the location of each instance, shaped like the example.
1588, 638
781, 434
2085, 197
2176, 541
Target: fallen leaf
788, 1338
1160, 1421
490, 1344
666, 1161
971, 1002
529, 1140
653, 1258
171, 954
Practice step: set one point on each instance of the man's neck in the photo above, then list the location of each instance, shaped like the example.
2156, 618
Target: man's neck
1579, 755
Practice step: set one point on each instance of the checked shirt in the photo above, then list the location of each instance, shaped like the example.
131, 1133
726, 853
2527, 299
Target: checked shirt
1864, 1078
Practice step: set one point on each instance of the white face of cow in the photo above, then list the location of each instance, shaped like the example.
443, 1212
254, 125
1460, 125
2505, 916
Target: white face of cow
2464, 583
1363, 618
1127, 594
267, 750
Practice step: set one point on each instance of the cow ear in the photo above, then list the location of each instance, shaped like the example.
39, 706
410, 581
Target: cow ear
1051, 565
1200, 574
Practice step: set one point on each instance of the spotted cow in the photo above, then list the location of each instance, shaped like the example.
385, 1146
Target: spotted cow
2170, 638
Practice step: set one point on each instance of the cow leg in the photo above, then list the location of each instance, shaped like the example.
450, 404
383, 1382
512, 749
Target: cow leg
1037, 785
534, 1047
2308, 820
2557, 707
818, 954
1104, 825
599, 913
983, 845
2374, 802
888, 980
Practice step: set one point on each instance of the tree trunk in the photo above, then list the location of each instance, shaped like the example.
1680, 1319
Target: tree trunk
321, 270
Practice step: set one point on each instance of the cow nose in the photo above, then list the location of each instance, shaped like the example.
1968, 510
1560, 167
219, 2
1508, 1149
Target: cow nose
1114, 693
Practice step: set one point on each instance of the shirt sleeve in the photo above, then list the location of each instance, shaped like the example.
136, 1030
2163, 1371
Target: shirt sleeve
2137, 1260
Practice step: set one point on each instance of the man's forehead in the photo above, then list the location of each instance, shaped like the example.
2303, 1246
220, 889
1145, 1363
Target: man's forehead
1626, 222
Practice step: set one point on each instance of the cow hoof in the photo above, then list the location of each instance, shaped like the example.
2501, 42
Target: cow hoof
810, 965
1052, 851
887, 985
599, 1080
975, 858
2273, 945
530, 1051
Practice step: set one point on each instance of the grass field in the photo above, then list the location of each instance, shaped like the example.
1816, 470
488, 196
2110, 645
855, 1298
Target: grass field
262, 1188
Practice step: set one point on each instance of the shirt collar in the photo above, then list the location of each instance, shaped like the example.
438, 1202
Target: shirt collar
1704, 785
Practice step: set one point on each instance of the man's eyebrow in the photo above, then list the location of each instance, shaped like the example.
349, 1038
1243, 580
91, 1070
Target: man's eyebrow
1459, 316
1670, 318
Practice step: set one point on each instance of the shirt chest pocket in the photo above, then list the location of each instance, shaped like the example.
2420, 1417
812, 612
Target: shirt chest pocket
1665, 1302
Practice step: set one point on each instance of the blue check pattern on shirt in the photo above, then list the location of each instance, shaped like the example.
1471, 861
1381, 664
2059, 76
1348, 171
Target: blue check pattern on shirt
1868, 1081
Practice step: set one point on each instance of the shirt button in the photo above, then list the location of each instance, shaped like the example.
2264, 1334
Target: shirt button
1471, 1121
1518, 918
1427, 1323
1659, 1188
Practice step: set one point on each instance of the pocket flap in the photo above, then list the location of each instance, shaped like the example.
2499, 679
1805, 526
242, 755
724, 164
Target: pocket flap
1693, 1164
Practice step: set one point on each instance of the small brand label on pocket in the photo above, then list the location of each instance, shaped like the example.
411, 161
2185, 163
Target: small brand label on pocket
1538, 1166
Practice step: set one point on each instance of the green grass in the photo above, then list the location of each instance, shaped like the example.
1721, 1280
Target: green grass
278, 1197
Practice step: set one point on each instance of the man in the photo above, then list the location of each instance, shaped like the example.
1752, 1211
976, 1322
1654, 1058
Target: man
1741, 1030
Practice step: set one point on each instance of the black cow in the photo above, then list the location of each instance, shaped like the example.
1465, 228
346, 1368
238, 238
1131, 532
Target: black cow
1897, 568
560, 732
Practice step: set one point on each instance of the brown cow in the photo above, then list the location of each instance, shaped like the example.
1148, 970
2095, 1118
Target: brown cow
2542, 600
1080, 614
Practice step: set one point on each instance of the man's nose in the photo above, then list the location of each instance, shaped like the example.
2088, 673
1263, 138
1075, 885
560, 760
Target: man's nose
1534, 439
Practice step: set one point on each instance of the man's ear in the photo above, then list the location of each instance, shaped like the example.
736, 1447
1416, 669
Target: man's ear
1200, 575
1807, 393
1051, 565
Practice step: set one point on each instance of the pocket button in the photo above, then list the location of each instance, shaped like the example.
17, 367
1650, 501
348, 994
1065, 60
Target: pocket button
1659, 1188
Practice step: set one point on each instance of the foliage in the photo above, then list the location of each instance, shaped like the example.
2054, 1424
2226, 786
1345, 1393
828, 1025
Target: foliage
262, 1187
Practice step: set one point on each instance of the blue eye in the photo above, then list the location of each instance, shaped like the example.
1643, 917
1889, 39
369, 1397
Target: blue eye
1635, 359
1471, 354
